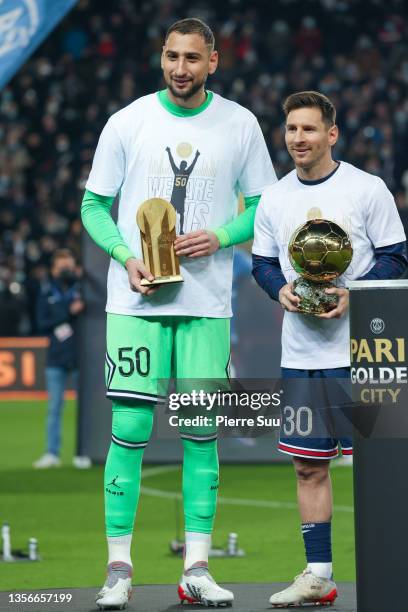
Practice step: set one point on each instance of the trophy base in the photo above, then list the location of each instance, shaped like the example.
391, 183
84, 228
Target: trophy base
161, 280
314, 299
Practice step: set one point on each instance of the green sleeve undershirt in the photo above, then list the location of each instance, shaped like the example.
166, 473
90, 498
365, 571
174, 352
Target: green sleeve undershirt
241, 228
97, 220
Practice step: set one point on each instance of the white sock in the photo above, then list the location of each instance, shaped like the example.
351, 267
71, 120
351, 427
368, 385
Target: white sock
323, 570
119, 549
197, 547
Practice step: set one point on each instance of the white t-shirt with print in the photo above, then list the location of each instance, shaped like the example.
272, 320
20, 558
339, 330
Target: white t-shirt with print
132, 158
362, 205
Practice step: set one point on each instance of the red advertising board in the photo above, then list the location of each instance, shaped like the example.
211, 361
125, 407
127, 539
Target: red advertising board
22, 368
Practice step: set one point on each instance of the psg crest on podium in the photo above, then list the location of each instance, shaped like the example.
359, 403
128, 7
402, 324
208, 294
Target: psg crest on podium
320, 251
156, 219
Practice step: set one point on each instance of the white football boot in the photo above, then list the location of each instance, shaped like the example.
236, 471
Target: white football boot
197, 586
306, 590
117, 589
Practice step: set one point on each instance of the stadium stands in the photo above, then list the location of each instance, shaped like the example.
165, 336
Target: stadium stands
104, 55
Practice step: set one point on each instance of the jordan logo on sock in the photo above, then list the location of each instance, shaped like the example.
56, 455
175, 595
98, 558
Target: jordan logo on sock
113, 484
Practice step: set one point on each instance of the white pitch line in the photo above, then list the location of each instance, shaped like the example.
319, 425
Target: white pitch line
228, 501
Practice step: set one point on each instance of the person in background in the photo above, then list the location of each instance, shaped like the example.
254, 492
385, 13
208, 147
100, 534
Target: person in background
58, 309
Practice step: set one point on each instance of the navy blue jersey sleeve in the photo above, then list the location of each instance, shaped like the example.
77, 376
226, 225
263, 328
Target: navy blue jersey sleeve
391, 262
268, 274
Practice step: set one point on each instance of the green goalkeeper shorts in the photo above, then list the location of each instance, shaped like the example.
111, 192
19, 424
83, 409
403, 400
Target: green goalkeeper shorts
143, 352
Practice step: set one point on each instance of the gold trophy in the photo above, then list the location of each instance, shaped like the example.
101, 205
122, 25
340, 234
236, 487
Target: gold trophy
320, 251
156, 219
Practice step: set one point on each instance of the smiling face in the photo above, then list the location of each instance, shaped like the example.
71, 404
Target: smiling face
186, 62
309, 138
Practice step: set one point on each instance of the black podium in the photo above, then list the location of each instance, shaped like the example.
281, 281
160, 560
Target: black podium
379, 359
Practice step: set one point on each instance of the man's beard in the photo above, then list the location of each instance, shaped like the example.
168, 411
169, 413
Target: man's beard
185, 95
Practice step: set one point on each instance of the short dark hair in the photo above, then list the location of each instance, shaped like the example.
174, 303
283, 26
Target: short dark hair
192, 25
61, 254
311, 99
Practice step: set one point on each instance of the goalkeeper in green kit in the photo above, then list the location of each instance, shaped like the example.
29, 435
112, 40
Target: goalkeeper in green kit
187, 144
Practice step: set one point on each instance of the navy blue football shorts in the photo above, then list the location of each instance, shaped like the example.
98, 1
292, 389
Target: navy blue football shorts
308, 447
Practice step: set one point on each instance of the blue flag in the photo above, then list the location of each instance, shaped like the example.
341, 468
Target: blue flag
23, 26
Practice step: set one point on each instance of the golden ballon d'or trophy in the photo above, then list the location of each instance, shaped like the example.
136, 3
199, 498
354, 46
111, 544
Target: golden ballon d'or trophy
156, 219
320, 251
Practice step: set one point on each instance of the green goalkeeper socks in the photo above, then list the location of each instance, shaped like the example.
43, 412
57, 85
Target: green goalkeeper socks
200, 485
131, 430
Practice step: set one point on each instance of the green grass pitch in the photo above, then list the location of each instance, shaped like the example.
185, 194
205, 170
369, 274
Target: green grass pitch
63, 508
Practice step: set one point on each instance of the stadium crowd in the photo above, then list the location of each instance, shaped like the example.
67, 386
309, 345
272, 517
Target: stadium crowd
104, 55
